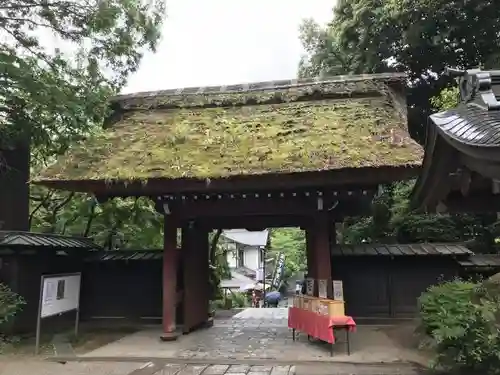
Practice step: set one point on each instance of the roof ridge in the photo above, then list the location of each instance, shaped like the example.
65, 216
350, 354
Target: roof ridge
261, 86
41, 234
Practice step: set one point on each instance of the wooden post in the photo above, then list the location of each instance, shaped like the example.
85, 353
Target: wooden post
204, 275
322, 244
169, 281
196, 293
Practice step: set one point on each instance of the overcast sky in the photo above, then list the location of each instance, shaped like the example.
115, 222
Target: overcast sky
220, 42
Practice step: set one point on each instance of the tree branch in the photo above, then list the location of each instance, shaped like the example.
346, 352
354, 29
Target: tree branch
42, 203
89, 221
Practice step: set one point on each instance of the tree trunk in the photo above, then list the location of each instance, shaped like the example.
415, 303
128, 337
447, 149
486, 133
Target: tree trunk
14, 188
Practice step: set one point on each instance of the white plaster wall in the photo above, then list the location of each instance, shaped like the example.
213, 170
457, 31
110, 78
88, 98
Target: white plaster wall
251, 258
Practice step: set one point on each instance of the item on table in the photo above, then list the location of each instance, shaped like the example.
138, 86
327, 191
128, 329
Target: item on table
322, 288
338, 290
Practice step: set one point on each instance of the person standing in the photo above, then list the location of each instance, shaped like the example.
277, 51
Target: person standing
298, 287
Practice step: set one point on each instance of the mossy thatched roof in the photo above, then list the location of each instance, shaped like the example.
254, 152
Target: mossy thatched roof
247, 129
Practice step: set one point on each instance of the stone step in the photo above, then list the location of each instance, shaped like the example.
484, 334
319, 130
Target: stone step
358, 369
310, 369
240, 369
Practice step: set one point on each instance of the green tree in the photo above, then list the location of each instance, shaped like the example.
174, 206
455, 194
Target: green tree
57, 95
131, 223
292, 242
421, 37
60, 61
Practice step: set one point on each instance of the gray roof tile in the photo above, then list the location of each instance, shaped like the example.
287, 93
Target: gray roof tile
400, 250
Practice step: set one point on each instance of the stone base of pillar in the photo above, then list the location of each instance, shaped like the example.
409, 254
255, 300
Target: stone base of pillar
169, 336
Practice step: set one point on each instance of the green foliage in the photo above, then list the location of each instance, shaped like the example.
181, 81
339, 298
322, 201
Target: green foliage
443, 306
292, 242
239, 299
58, 95
418, 37
131, 223
392, 222
233, 300
448, 98
324, 56
10, 304
462, 318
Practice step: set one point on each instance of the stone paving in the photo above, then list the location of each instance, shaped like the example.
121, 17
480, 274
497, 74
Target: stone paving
38, 367
252, 342
226, 370
259, 334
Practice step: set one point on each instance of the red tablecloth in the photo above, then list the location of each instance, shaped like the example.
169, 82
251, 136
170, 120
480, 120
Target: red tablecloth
317, 325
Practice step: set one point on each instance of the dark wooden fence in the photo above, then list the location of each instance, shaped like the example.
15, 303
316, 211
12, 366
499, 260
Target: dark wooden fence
121, 289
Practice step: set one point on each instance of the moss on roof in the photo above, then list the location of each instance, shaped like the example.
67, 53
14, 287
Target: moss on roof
157, 138
258, 93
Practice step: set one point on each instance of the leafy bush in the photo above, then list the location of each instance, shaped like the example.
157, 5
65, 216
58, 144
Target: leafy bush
10, 304
239, 299
462, 319
217, 304
234, 299
444, 305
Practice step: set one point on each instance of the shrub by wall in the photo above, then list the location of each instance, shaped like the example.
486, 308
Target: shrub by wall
462, 319
10, 304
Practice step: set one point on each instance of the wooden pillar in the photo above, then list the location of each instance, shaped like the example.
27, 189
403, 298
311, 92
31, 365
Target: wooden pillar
196, 293
322, 244
170, 263
318, 245
204, 274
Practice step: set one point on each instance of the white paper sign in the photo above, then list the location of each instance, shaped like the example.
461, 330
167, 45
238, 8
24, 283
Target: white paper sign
49, 294
322, 288
338, 290
60, 294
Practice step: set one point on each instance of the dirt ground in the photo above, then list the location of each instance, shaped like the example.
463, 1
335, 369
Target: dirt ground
406, 336
90, 337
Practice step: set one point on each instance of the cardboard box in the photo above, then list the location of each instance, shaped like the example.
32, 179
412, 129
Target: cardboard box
331, 307
314, 305
306, 305
298, 302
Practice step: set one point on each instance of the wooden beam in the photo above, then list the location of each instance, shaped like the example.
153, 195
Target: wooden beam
248, 206
302, 180
253, 222
233, 218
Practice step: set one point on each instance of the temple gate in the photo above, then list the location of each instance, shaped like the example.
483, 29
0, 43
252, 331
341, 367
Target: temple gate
274, 154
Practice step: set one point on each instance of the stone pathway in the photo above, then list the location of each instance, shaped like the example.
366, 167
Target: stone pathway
251, 342
226, 370
257, 334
